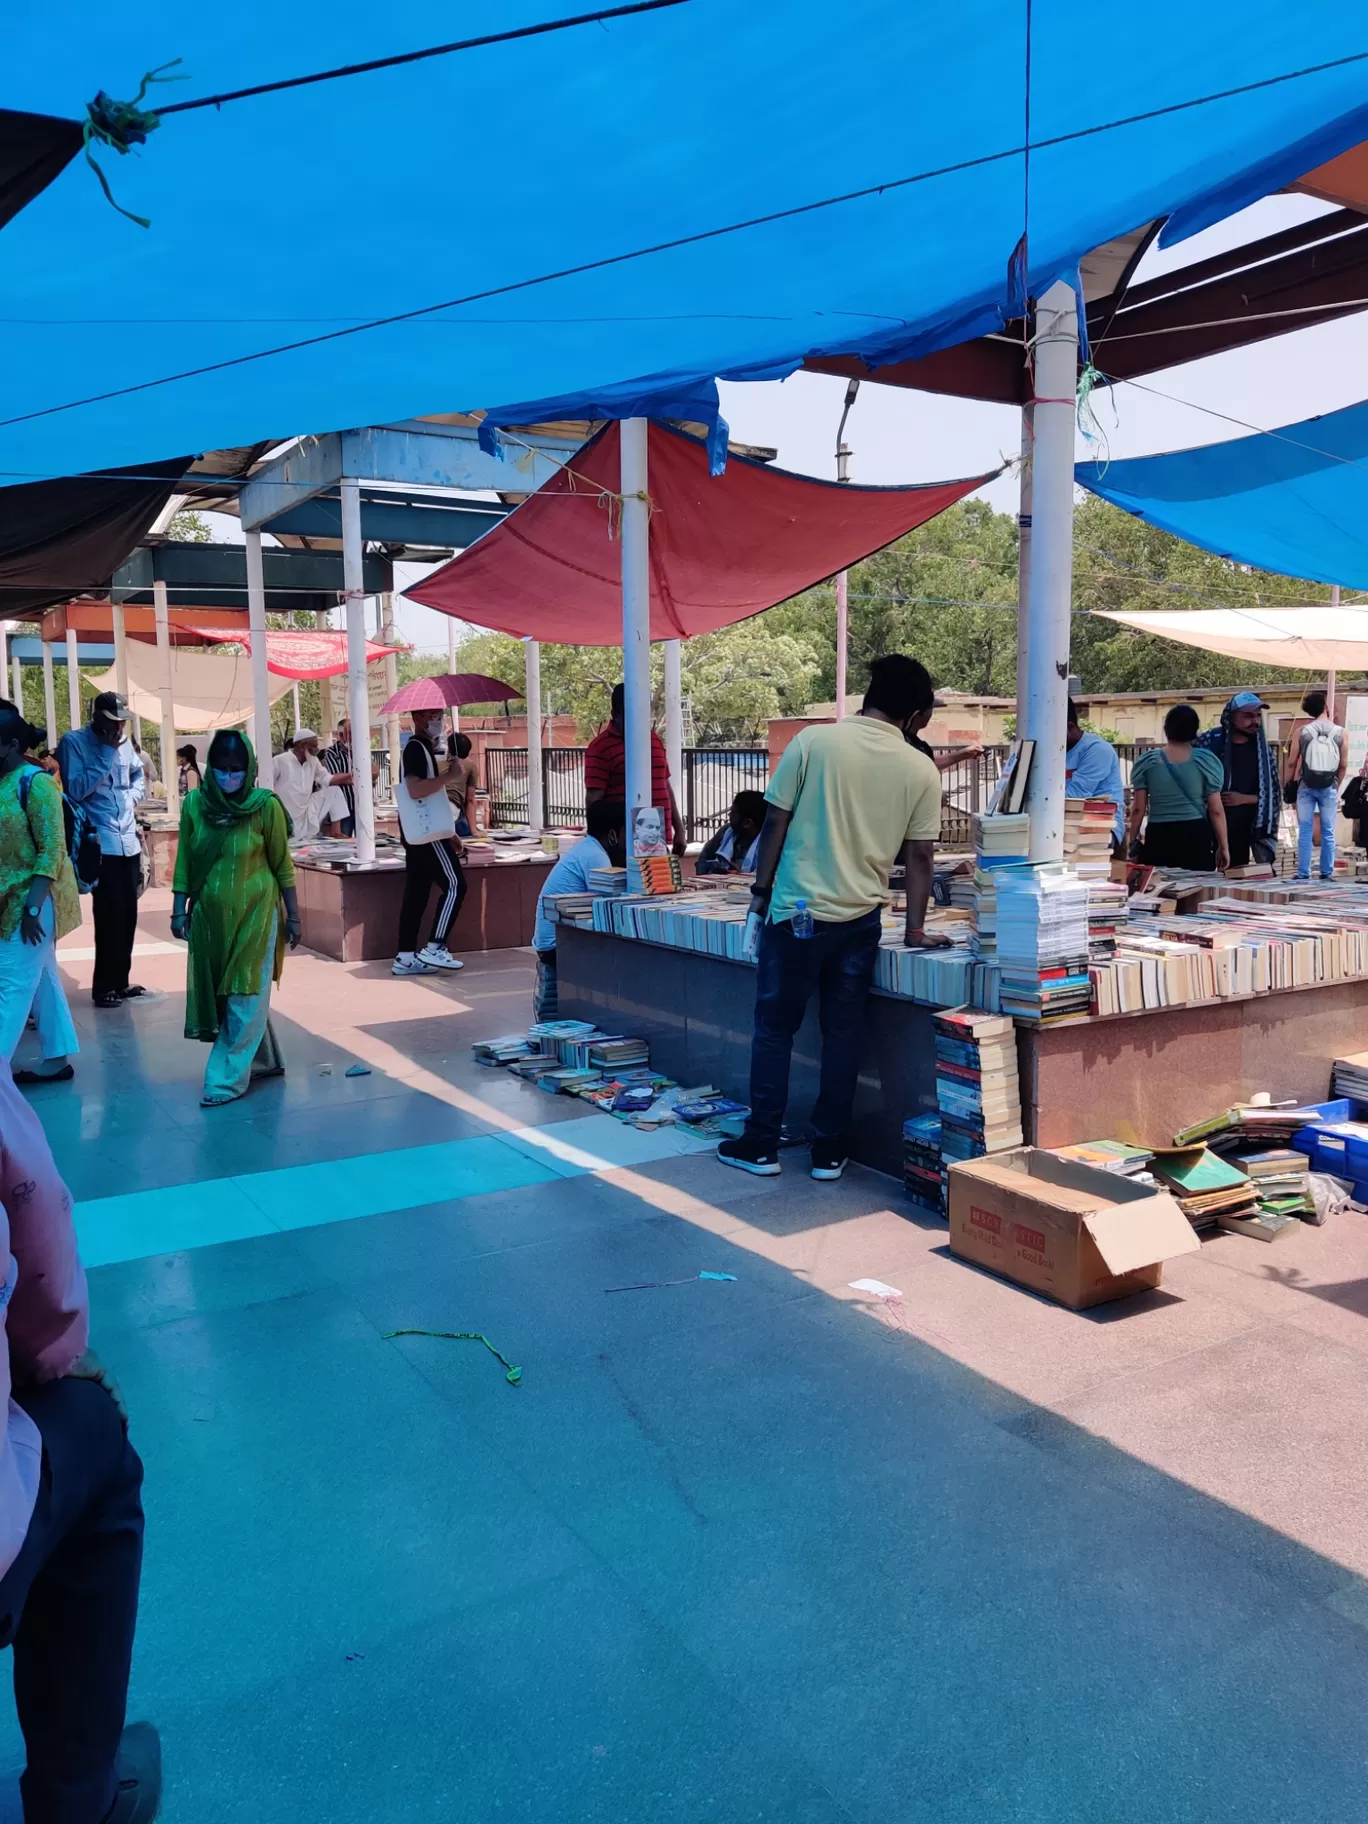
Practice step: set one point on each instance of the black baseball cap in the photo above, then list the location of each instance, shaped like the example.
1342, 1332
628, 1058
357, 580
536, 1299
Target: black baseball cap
110, 705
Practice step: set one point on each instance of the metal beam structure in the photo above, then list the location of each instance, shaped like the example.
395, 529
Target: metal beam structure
212, 575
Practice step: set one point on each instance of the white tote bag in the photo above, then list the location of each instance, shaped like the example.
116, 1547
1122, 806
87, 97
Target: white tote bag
428, 819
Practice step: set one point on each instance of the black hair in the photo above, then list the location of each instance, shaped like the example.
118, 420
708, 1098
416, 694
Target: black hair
1181, 723
899, 687
1314, 703
225, 739
604, 816
14, 726
462, 744
619, 700
751, 806
1074, 715
187, 753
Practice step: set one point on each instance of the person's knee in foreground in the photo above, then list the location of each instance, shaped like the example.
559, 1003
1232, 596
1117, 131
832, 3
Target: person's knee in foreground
847, 798
71, 1521
602, 846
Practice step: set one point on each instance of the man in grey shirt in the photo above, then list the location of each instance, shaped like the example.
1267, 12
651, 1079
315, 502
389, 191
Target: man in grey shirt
102, 773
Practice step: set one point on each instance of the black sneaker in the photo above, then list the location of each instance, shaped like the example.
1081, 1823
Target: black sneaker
750, 1156
829, 1158
138, 1799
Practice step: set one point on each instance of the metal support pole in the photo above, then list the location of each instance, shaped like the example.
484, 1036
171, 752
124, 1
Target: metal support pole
385, 616
49, 694
116, 609
358, 699
1025, 483
261, 677
674, 710
842, 639
294, 704
73, 653
1051, 585
170, 772
1332, 677
17, 674
536, 798
636, 618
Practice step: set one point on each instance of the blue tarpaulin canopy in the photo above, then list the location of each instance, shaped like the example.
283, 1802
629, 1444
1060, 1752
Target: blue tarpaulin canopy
1294, 501
811, 178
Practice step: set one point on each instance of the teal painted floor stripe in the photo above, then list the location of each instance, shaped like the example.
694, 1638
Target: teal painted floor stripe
176, 1217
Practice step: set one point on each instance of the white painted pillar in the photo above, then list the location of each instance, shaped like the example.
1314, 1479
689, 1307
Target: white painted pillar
1332, 677
674, 713
4, 653
536, 797
1025, 482
120, 648
261, 677
73, 653
170, 771
358, 702
636, 616
385, 617
451, 646
49, 694
17, 676
1051, 573
294, 703
842, 639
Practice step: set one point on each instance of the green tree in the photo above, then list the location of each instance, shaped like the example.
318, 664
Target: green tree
189, 528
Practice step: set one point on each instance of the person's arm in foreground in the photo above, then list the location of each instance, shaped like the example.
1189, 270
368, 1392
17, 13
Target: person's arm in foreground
47, 1322
767, 857
47, 826
180, 881
953, 756
281, 863
71, 762
918, 860
708, 861
1216, 812
137, 778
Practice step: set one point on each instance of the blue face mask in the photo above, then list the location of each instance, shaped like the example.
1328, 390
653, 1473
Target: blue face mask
229, 783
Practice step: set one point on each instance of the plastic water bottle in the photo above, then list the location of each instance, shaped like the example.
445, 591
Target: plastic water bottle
802, 919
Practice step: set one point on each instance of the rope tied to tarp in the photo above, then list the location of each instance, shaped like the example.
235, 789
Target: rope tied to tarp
121, 125
1088, 382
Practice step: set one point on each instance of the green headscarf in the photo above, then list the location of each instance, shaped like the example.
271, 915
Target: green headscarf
219, 813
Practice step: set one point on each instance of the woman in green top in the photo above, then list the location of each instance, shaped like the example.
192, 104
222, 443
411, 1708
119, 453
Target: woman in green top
1178, 787
233, 870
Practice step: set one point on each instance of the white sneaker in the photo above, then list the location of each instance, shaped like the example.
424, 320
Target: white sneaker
410, 965
437, 956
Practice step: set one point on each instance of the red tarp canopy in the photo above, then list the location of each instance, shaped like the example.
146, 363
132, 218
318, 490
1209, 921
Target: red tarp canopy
722, 547
292, 652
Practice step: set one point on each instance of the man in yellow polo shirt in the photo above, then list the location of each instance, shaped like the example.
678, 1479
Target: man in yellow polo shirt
846, 799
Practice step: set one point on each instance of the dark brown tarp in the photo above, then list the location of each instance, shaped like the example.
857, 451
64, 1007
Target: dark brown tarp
34, 148
68, 537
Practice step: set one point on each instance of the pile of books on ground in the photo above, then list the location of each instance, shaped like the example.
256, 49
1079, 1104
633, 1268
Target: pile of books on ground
573, 1058
1266, 1182
1350, 1077
1088, 825
1115, 1156
924, 1171
654, 874
978, 1091
1210, 1191
1042, 942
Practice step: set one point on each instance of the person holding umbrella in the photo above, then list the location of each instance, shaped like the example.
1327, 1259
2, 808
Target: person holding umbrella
432, 849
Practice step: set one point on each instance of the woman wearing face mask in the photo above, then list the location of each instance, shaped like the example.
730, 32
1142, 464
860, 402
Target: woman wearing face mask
234, 877
38, 904
428, 864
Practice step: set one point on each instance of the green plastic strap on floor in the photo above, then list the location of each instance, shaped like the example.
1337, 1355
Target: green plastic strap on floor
514, 1374
121, 125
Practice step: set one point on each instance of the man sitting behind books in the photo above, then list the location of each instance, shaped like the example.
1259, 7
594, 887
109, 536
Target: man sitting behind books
1092, 769
732, 849
602, 847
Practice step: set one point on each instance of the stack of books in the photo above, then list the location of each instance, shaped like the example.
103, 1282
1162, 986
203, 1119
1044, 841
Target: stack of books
1350, 1077
1209, 1190
1042, 920
1115, 1156
923, 1166
1251, 1127
512, 1049
570, 909
1088, 825
1107, 917
1001, 839
977, 1087
1282, 1179
618, 1054
654, 874
937, 978
607, 880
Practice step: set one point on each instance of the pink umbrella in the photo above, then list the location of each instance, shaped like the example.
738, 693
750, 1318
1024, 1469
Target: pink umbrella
448, 690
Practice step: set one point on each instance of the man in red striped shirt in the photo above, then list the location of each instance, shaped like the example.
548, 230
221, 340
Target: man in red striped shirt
605, 773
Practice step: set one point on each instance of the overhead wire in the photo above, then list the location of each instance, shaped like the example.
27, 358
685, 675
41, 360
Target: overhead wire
699, 237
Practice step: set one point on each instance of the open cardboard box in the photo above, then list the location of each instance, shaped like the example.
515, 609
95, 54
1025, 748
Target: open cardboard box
1079, 1235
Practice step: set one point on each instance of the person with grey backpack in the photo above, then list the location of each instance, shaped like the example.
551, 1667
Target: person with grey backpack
1317, 768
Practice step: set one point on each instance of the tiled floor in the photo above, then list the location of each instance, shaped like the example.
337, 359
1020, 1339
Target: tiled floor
750, 1551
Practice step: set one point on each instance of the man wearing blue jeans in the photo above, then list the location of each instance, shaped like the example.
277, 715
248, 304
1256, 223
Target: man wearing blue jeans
1319, 761
846, 799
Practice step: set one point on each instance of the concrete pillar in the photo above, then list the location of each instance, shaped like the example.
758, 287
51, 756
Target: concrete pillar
1051, 572
385, 616
358, 702
73, 658
1024, 483
120, 648
636, 617
674, 713
169, 769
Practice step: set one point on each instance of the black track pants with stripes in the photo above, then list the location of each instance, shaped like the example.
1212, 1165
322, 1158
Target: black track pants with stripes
428, 865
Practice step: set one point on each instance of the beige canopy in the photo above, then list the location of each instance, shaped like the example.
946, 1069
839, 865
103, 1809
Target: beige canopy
1317, 639
208, 689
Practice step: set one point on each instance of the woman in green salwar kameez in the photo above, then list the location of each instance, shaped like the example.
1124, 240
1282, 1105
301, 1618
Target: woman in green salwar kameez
233, 871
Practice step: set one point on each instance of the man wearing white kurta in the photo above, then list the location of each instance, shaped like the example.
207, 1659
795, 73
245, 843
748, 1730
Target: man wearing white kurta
304, 786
